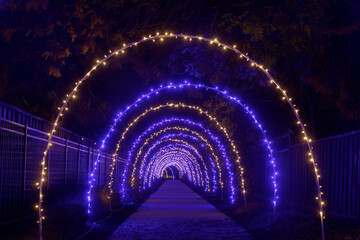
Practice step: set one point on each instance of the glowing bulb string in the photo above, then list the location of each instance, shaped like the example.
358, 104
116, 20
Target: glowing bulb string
185, 164
162, 140
206, 143
179, 169
201, 112
179, 144
179, 166
181, 157
165, 162
183, 143
220, 146
162, 122
172, 172
146, 142
169, 167
188, 158
247, 110
233, 48
187, 121
145, 155
205, 165
211, 118
155, 171
180, 86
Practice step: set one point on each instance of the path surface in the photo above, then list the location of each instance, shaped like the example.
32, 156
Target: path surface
176, 212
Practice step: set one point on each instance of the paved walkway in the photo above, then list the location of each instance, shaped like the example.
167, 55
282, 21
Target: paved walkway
176, 212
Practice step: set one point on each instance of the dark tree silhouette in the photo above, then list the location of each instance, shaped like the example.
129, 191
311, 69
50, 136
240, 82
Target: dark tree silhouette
312, 46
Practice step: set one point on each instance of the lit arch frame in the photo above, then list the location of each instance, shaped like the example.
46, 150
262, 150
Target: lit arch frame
161, 166
161, 37
177, 168
186, 122
175, 137
179, 143
174, 156
189, 158
172, 172
191, 123
211, 118
201, 112
158, 163
184, 129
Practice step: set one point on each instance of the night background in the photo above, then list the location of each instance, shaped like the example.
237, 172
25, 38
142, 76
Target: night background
310, 47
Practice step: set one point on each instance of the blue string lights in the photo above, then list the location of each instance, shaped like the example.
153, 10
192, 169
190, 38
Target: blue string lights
212, 42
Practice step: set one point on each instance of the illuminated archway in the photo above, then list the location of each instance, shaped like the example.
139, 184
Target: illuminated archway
206, 142
180, 144
161, 37
185, 106
172, 171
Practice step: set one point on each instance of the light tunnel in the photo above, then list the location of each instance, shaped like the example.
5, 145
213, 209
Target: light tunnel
205, 142
180, 148
218, 145
167, 169
202, 112
163, 161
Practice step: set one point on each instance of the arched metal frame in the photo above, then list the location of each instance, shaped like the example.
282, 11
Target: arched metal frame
161, 37
182, 145
201, 112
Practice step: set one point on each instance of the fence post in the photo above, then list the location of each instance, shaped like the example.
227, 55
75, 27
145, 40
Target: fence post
99, 167
65, 166
89, 163
24, 171
78, 166
48, 171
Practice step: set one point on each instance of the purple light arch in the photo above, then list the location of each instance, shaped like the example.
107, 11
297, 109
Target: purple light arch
171, 120
181, 144
161, 37
174, 136
186, 130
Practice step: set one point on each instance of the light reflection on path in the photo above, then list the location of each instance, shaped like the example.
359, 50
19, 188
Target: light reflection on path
175, 211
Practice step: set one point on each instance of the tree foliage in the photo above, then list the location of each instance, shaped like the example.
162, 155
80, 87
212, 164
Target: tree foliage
311, 46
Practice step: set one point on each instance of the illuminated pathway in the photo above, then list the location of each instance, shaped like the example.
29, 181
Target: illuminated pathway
177, 212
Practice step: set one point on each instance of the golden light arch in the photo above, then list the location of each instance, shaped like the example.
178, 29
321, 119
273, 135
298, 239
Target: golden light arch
162, 37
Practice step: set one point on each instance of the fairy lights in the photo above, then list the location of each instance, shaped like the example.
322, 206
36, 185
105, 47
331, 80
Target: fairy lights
178, 155
186, 121
161, 123
173, 137
171, 170
252, 63
197, 177
200, 111
178, 168
146, 142
179, 144
179, 86
161, 161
